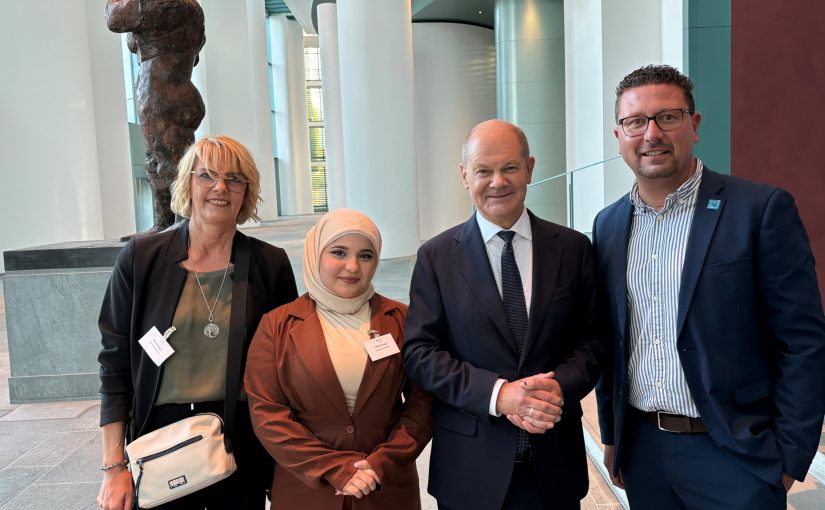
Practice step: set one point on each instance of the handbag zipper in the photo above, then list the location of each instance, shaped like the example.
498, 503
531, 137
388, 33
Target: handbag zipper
169, 450
154, 456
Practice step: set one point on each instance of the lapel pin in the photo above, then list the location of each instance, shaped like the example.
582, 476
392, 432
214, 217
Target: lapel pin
714, 203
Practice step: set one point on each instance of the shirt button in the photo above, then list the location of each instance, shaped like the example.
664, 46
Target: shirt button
350, 429
660, 218
655, 257
659, 384
655, 298
656, 341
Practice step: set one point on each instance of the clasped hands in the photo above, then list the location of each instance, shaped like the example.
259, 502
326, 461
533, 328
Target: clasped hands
533, 403
363, 482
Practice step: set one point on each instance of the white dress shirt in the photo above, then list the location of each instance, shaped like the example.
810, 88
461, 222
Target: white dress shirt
523, 252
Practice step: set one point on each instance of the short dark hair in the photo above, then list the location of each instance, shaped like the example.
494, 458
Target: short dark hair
655, 75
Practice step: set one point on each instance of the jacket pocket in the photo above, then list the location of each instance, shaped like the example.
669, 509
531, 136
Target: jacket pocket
726, 267
753, 392
455, 420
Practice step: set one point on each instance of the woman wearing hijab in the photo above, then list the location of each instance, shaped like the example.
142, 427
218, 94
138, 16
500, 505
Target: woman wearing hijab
186, 277
329, 412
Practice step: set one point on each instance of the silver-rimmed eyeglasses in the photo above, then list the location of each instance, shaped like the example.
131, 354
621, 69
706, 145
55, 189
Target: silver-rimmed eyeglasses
667, 120
209, 179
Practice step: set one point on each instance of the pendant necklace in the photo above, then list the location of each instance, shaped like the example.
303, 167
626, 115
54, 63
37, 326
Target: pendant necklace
211, 329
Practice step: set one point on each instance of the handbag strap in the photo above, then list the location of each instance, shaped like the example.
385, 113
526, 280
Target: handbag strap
237, 330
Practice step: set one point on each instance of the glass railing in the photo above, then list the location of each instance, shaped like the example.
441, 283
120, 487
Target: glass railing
571, 176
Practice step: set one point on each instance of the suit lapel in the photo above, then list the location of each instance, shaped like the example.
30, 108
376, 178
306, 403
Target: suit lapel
621, 232
308, 339
709, 206
375, 370
164, 289
470, 257
546, 263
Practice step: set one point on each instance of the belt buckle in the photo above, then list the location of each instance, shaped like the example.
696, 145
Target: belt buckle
659, 422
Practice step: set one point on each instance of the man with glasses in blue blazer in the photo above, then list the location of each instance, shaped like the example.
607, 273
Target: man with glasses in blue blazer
715, 394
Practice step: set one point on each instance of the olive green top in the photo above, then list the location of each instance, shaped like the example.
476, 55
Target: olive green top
196, 372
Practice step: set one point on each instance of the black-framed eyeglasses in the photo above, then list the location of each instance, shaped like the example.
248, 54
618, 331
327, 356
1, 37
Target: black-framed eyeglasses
209, 179
667, 120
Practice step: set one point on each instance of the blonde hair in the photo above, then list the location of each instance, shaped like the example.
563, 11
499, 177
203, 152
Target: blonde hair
220, 154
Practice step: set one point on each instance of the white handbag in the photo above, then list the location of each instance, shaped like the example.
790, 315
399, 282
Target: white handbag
179, 459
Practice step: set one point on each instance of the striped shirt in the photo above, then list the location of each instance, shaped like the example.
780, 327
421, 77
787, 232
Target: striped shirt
655, 257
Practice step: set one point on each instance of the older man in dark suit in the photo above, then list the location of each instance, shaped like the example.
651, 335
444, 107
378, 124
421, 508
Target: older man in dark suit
716, 392
501, 329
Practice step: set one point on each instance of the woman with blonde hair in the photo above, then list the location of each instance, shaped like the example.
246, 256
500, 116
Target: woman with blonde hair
325, 382
212, 284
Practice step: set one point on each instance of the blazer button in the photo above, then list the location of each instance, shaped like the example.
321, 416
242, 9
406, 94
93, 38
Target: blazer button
350, 429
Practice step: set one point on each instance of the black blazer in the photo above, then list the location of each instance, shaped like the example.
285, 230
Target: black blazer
750, 329
143, 291
458, 342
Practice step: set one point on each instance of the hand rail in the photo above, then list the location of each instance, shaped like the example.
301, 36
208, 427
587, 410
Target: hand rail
570, 184
571, 171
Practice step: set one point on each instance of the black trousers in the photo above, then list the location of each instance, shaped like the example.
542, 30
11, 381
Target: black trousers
689, 472
246, 487
524, 493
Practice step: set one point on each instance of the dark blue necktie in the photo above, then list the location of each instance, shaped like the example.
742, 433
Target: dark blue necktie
514, 304
512, 291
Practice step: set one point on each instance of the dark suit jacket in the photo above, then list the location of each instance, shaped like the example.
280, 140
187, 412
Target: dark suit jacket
143, 291
750, 329
459, 343
300, 415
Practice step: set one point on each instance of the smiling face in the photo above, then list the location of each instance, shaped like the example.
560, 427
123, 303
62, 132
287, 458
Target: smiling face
347, 265
658, 155
496, 172
216, 205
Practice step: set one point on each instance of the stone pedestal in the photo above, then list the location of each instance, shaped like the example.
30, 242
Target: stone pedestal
53, 295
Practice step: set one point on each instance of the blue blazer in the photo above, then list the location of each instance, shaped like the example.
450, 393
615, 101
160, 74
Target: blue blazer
750, 328
458, 342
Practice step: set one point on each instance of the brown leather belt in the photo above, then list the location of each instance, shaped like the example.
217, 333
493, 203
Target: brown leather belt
670, 422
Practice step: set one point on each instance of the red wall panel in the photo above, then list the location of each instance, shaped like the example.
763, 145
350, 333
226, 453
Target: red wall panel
778, 104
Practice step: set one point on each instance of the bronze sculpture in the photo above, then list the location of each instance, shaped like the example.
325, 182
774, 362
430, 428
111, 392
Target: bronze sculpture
167, 36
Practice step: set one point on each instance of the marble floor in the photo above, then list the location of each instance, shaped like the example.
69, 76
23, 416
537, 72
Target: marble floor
50, 453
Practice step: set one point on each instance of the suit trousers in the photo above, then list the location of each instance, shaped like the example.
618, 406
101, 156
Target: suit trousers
246, 487
525, 492
688, 471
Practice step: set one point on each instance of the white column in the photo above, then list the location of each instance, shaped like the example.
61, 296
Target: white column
593, 70
291, 125
455, 89
111, 135
51, 188
236, 92
331, 84
377, 106
531, 92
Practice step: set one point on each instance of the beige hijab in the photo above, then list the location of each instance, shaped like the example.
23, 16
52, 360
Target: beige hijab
332, 226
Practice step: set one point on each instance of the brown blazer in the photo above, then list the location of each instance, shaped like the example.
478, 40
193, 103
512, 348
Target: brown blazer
299, 413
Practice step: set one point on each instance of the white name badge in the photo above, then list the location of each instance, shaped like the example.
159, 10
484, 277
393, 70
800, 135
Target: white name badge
381, 347
156, 345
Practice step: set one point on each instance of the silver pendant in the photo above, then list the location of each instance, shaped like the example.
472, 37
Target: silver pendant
211, 330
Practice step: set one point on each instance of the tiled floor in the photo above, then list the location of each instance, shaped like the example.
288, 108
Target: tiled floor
50, 453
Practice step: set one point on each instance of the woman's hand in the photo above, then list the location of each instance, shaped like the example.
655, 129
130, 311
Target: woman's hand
364, 481
116, 491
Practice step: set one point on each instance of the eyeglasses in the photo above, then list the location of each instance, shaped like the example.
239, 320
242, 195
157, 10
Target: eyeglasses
667, 120
208, 179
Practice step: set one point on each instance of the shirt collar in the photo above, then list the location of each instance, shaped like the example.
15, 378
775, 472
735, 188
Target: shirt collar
489, 229
683, 192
